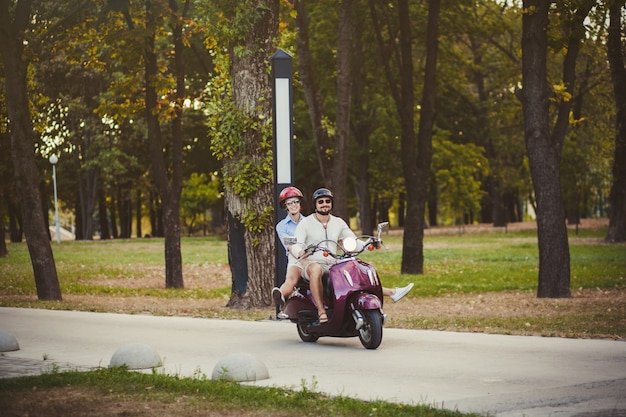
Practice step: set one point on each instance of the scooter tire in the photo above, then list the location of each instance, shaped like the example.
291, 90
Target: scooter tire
371, 333
304, 335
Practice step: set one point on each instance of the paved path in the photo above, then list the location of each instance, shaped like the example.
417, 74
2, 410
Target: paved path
502, 376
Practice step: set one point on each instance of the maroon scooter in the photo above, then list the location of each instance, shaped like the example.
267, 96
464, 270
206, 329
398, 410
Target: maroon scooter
353, 296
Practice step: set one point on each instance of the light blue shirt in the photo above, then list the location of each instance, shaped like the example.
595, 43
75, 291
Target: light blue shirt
286, 228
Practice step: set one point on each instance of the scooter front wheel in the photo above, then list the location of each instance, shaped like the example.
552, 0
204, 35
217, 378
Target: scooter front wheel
371, 333
304, 335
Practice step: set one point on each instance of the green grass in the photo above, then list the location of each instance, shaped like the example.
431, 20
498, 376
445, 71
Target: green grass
192, 396
453, 264
79, 262
459, 264
472, 264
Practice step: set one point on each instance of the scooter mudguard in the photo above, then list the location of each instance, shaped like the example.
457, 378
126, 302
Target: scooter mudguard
366, 301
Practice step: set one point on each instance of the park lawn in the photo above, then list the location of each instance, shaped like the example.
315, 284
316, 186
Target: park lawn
481, 281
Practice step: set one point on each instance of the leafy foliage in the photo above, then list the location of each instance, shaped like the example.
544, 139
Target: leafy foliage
247, 165
459, 170
198, 195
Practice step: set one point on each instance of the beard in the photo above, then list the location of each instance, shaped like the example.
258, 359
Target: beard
324, 211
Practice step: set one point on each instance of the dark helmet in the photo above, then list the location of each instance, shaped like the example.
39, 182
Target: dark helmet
289, 192
321, 192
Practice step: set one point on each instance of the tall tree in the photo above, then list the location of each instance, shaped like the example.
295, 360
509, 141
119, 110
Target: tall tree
17, 24
242, 140
167, 176
615, 51
169, 187
544, 145
543, 155
416, 153
413, 253
332, 149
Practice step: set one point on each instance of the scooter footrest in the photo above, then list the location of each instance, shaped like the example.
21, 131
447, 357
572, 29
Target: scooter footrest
311, 315
307, 315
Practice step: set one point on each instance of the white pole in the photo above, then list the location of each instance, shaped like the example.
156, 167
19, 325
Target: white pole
283, 153
53, 160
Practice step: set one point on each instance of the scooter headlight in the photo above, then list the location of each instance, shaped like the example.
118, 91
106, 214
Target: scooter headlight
349, 244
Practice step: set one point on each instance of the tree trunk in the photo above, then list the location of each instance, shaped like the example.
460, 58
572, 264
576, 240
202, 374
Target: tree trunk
138, 213
87, 183
416, 157
105, 232
251, 89
173, 255
543, 155
156, 215
415, 263
3, 243
6, 189
339, 181
169, 191
237, 259
403, 95
78, 219
123, 205
412, 242
416, 160
617, 198
498, 209
22, 147
15, 221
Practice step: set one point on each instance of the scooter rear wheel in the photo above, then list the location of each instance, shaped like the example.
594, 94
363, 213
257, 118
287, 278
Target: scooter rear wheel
304, 335
371, 333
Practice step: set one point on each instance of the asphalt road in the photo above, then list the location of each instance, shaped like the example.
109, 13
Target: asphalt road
495, 375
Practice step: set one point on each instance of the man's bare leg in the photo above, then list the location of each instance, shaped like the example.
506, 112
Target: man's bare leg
315, 273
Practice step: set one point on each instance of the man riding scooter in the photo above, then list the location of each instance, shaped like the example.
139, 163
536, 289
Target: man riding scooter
320, 226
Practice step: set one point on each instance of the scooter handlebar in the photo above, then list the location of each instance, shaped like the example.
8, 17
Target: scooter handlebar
370, 243
367, 242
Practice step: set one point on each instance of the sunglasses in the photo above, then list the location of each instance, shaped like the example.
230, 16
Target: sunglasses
324, 201
292, 202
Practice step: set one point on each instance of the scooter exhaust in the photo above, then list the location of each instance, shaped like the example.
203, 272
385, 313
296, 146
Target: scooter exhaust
360, 320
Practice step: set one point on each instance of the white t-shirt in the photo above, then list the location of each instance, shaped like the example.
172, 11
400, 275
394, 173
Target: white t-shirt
311, 231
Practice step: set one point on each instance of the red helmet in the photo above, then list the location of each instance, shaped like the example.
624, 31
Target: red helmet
289, 192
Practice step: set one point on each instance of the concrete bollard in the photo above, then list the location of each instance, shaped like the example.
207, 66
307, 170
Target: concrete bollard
136, 356
240, 367
8, 342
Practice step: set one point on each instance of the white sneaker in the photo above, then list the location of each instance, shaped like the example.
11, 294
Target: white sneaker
279, 300
401, 292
